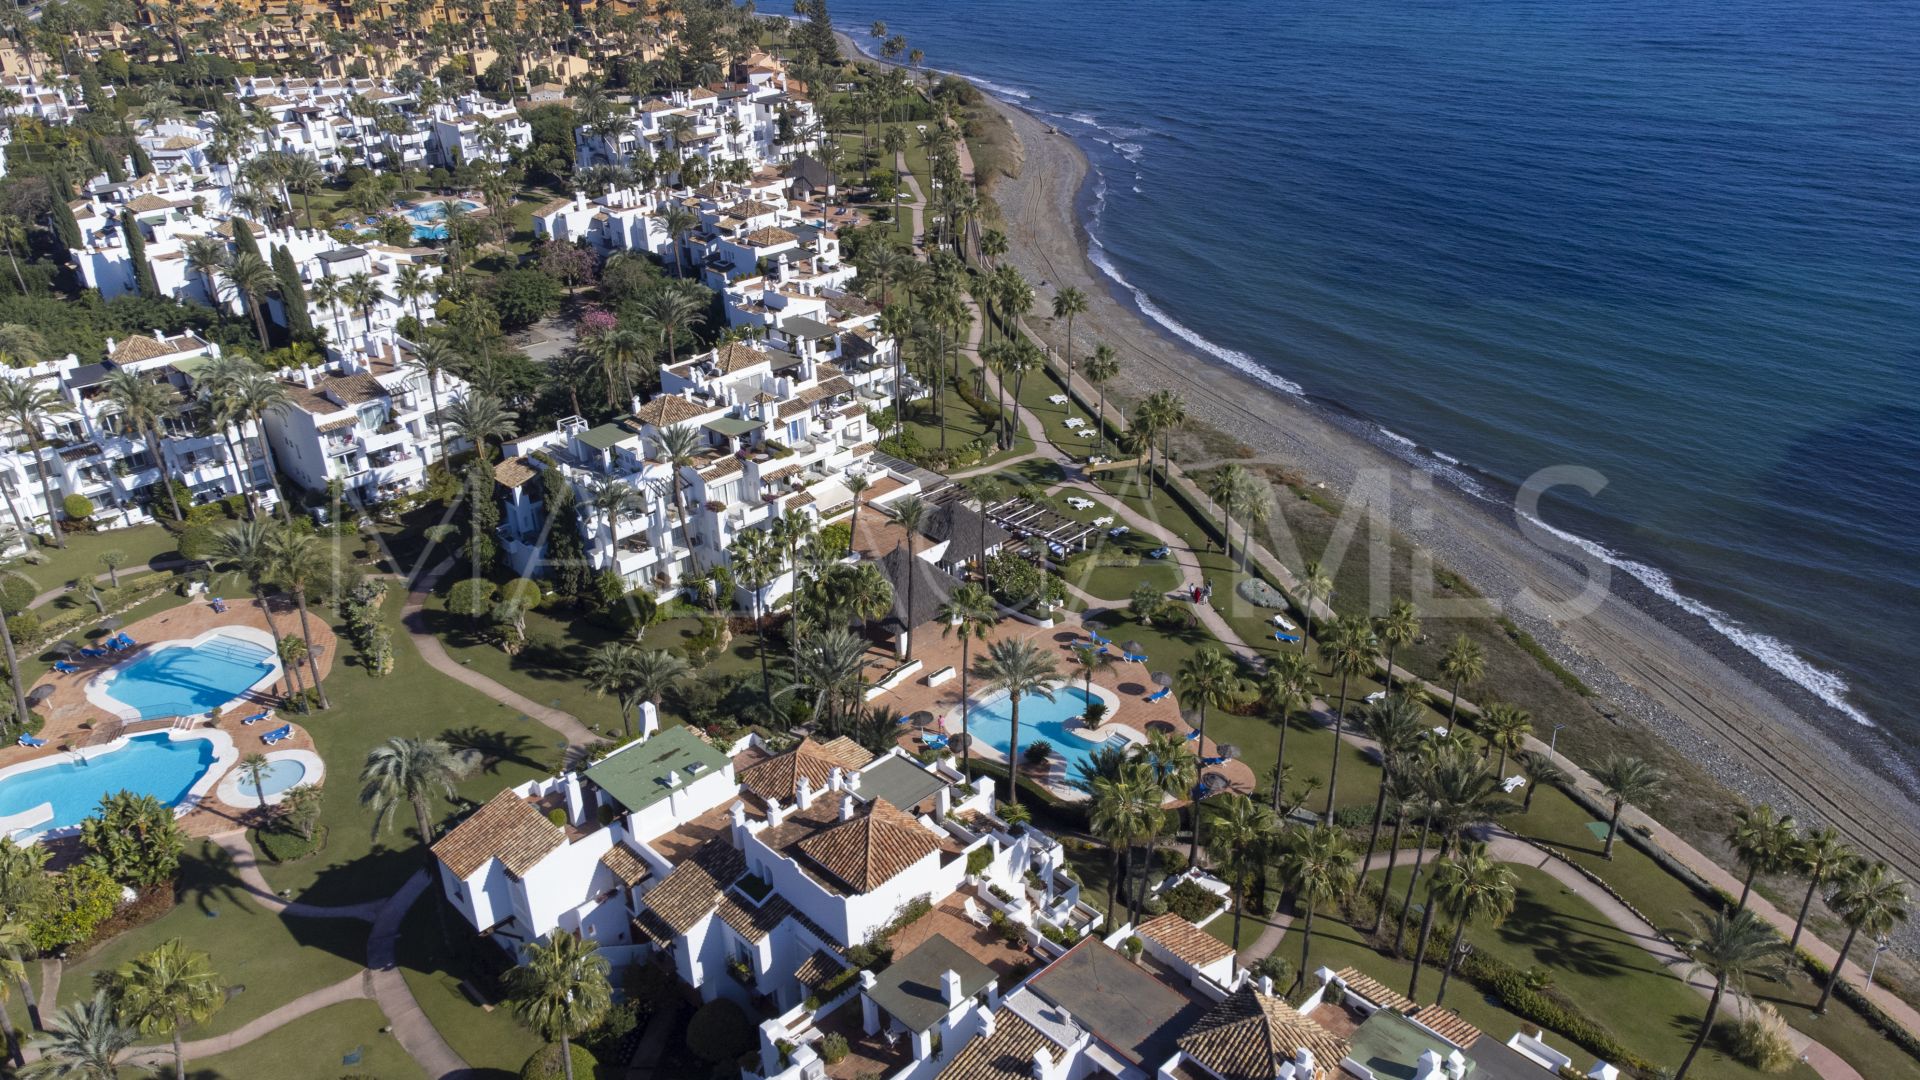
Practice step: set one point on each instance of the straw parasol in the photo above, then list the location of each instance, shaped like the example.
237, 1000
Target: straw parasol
40, 694
1227, 750
1162, 678
922, 720
64, 649
1134, 648
109, 624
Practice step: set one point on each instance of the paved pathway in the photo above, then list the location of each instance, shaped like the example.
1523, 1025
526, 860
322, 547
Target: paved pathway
246, 867
413, 618
410, 1025
105, 577
351, 988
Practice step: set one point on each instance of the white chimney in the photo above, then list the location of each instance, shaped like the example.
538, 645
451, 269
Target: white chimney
1303, 1059
737, 824
1457, 1065
837, 779
1042, 1064
846, 808
853, 781
1266, 986
804, 795
987, 1026
775, 812
950, 986
1428, 1067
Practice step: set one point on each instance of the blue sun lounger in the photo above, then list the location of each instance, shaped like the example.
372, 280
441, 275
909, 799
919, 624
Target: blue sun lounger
256, 718
1192, 735
63, 666
1213, 761
93, 654
1134, 657
125, 642
279, 734
30, 741
1157, 553
1098, 640
1160, 693
1292, 639
934, 742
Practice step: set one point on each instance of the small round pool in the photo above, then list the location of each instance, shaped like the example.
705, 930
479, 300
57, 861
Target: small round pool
280, 775
286, 770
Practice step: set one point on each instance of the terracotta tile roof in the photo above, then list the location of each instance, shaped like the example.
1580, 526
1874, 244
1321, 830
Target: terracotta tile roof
1250, 1035
779, 777
693, 890
1374, 991
870, 849
750, 922
1185, 940
770, 236
339, 425
146, 347
723, 468
1447, 1024
553, 207
735, 356
815, 970
1007, 1054
513, 472
666, 410
146, 203
507, 828
626, 865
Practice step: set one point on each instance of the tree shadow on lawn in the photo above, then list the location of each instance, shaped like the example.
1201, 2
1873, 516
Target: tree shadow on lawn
1554, 940
493, 747
208, 880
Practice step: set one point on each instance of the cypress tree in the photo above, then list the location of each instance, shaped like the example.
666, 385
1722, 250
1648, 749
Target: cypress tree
293, 295
142, 164
137, 251
65, 227
243, 238
483, 516
566, 557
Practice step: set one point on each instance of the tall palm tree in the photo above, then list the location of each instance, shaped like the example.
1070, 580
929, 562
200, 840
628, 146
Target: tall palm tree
168, 989
1125, 811
481, 419
1406, 796
679, 221
618, 351
1102, 368
1763, 842
1626, 780
831, 663
304, 175
654, 672
83, 1043
404, 770
434, 358
16, 946
910, 513
1317, 865
1353, 649
1069, 302
985, 489
609, 670
680, 446
207, 256
1733, 949
364, 293
1399, 626
326, 292
1237, 837
1165, 759
1463, 664
27, 404
1540, 769
144, 405
248, 276
213, 387
1821, 857
971, 614
560, 989
1506, 727
1472, 887
259, 394
246, 547
1286, 688
1090, 662
1459, 791
1208, 678
1871, 898
410, 283
1398, 729
1020, 668
1315, 588
755, 562
298, 562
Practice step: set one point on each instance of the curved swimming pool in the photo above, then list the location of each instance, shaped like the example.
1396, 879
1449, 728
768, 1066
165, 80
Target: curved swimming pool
429, 219
186, 678
991, 721
153, 764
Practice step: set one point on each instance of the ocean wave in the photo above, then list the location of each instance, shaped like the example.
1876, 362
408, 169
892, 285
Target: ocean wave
1399, 438
1769, 650
1129, 150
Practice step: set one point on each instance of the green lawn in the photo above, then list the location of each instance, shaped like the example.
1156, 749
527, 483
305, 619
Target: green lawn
964, 425
339, 1040
493, 1042
264, 960
81, 558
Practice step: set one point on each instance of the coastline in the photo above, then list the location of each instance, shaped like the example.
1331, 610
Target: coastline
1651, 662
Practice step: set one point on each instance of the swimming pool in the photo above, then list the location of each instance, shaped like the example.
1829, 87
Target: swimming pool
155, 764
185, 678
991, 721
428, 221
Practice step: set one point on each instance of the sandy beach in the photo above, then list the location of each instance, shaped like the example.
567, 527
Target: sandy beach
1649, 661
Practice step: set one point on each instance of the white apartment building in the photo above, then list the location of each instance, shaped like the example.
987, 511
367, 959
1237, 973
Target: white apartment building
476, 129
742, 121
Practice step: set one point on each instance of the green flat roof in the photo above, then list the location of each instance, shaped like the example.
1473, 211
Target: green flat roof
898, 781
191, 365
604, 437
911, 991
734, 426
636, 775
1390, 1044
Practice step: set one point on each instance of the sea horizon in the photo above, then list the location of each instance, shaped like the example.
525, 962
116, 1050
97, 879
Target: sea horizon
1770, 519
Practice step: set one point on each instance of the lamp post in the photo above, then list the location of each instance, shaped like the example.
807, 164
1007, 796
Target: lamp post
1553, 744
1880, 945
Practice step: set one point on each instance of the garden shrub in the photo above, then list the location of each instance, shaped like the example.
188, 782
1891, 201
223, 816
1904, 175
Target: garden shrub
282, 843
133, 838
545, 1064
720, 1032
1760, 1039
24, 626
199, 543
80, 900
1173, 861
78, 507
1037, 753
979, 859
834, 1048
1191, 902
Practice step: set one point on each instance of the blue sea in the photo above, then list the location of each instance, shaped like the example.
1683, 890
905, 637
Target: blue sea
1677, 242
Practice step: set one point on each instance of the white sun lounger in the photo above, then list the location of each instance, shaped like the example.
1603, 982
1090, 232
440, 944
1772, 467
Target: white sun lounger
1058, 399
1103, 521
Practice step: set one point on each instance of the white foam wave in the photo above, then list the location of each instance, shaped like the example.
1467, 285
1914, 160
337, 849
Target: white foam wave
1130, 151
1448, 458
991, 87
1137, 191
1769, 650
1085, 118
1399, 438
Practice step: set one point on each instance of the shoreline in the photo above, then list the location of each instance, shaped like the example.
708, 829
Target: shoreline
1650, 662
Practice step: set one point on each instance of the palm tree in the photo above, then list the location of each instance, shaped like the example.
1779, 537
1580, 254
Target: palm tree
1220, 486
1732, 949
1237, 837
679, 221
1821, 857
304, 175
1626, 780
16, 946
1285, 689
1353, 650
970, 613
143, 405
249, 277
1102, 367
756, 563
1763, 842
1406, 795
258, 394
1871, 898
1472, 887
326, 292
1020, 668
167, 990
1398, 729
1067, 303
1209, 677
1506, 727
1463, 664
254, 769
410, 283
680, 445
27, 404
1318, 866
481, 418
409, 771
1165, 760
1457, 791
1315, 587
246, 547
910, 512
433, 358
985, 489
831, 663
363, 291
1399, 626
1540, 769
1091, 661
654, 672
206, 256
1125, 810
560, 989
609, 670
299, 561
84, 1043
858, 486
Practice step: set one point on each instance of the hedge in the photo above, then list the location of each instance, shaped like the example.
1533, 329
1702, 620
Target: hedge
115, 600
